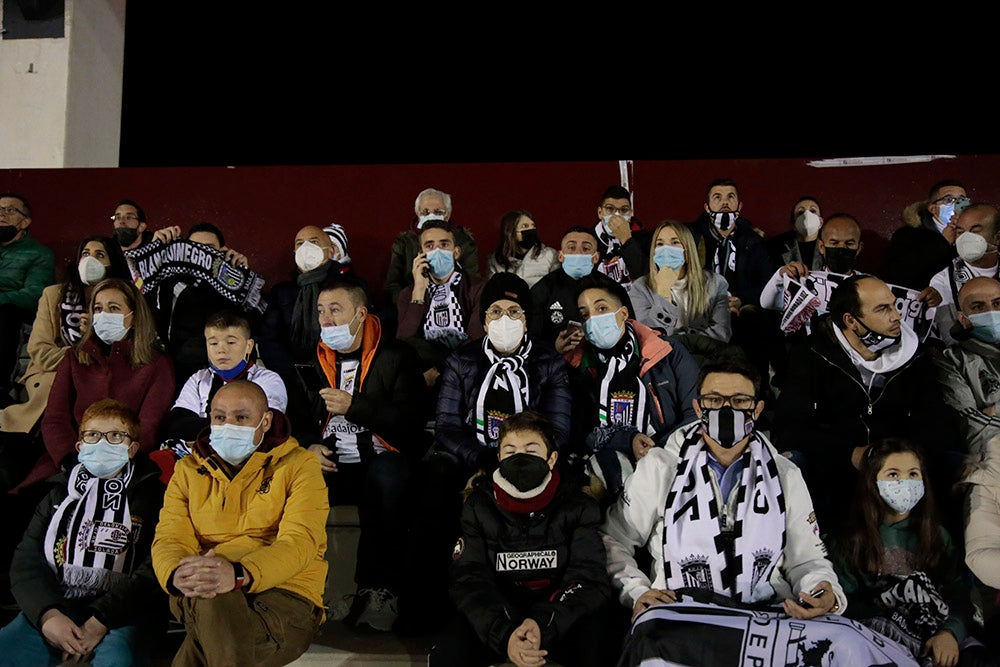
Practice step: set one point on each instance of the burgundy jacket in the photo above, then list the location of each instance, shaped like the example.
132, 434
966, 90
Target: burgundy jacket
148, 390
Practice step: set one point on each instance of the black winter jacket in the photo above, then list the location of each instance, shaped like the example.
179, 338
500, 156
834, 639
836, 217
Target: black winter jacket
464, 370
753, 263
499, 578
37, 588
825, 411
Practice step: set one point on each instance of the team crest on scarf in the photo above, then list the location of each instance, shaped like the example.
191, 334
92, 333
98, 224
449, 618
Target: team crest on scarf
494, 419
622, 407
441, 316
696, 572
761, 565
228, 274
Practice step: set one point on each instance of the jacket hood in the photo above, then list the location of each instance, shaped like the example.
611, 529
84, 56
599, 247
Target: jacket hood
913, 215
652, 347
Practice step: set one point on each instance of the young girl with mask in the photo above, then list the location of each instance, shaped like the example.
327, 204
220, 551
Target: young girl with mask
897, 563
529, 577
678, 296
118, 357
520, 251
86, 594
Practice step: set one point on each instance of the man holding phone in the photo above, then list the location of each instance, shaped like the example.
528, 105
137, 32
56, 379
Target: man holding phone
367, 392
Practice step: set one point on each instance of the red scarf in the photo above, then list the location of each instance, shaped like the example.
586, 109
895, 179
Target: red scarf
540, 498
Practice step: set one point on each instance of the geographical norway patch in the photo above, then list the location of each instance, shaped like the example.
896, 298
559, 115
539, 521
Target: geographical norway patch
511, 561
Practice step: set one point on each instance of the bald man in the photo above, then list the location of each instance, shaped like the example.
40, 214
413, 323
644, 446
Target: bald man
291, 332
977, 230
860, 376
241, 540
969, 370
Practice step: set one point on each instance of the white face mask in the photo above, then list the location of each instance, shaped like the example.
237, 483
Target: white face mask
309, 256
91, 270
807, 223
110, 327
505, 333
971, 246
423, 219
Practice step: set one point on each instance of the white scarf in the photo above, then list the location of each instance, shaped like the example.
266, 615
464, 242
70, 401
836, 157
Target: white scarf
890, 359
91, 535
504, 388
694, 546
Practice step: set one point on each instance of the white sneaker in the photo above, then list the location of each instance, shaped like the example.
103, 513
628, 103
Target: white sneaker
381, 609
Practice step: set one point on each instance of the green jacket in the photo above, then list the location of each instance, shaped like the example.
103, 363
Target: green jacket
26, 268
863, 591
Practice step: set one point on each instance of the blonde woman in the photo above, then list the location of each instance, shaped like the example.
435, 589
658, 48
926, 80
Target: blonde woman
677, 296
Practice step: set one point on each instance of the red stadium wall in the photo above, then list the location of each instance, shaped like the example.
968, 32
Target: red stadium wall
259, 209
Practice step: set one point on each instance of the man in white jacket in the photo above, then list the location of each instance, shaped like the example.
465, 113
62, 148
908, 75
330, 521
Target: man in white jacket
721, 514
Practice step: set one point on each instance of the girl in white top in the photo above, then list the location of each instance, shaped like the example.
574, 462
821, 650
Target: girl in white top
520, 251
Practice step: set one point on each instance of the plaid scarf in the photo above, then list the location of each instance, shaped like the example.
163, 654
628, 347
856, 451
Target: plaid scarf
89, 540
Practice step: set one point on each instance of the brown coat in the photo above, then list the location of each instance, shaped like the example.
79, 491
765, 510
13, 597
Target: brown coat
46, 348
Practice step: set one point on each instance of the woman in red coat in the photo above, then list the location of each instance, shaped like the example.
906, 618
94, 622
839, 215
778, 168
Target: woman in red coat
118, 357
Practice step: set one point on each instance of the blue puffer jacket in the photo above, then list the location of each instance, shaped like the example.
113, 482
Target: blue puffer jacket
464, 371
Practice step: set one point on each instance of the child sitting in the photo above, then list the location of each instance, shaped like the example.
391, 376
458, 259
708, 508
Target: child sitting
82, 574
229, 344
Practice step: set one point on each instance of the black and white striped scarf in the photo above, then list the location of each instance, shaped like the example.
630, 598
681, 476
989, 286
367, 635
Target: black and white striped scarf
612, 263
89, 540
697, 551
503, 392
621, 395
445, 322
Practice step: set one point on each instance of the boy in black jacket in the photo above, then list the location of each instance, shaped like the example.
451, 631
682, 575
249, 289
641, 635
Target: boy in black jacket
530, 578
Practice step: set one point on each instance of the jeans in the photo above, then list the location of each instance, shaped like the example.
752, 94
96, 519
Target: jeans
22, 644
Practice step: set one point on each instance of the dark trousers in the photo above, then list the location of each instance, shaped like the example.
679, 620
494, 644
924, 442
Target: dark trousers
379, 487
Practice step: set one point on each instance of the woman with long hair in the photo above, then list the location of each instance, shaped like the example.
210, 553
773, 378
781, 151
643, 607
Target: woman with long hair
119, 357
895, 560
60, 322
678, 296
520, 251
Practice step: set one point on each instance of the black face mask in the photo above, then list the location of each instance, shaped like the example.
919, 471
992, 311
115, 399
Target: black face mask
529, 237
7, 233
839, 260
524, 471
126, 236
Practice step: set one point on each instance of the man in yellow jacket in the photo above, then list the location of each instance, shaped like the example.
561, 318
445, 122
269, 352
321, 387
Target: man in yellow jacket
242, 535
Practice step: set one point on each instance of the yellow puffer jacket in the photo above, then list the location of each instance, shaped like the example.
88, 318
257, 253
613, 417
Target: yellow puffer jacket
271, 516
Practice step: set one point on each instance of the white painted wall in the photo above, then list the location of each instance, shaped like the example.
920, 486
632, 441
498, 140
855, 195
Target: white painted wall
60, 104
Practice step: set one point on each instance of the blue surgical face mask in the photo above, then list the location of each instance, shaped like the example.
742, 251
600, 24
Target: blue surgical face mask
902, 495
578, 266
603, 331
669, 255
230, 374
339, 337
234, 443
442, 262
110, 327
986, 326
102, 458
945, 211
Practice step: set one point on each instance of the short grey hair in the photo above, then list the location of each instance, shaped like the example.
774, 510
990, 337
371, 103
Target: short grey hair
432, 192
